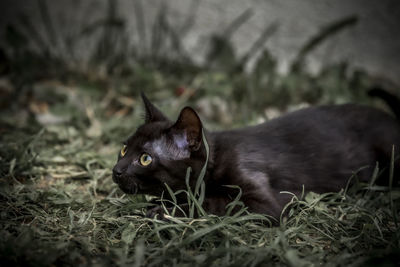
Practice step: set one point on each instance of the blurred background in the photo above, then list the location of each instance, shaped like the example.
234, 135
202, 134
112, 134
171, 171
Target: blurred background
253, 59
372, 44
75, 68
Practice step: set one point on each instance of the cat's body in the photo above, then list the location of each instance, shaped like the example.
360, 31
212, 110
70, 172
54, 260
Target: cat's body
318, 147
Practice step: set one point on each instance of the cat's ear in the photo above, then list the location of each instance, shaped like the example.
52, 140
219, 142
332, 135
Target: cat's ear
152, 113
190, 123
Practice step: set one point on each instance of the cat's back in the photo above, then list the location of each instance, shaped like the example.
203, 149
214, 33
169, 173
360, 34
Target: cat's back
322, 135
330, 120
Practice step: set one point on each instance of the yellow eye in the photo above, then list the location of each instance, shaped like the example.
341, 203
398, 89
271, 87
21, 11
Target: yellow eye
145, 159
123, 150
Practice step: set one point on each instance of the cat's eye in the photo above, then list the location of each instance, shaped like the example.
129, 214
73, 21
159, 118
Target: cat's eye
145, 159
123, 150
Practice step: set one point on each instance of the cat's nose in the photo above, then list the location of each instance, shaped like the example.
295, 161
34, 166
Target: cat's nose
116, 174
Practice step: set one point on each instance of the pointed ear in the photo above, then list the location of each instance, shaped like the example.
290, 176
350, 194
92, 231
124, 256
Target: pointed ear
190, 123
152, 113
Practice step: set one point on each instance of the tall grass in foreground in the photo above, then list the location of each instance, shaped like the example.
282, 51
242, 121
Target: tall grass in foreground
73, 214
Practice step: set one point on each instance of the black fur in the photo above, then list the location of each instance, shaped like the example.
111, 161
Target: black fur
318, 147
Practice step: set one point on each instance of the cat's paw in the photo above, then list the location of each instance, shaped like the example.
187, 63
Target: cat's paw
156, 213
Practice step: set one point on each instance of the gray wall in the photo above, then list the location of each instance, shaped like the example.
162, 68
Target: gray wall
373, 44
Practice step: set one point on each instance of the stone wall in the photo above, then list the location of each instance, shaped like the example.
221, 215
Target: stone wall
373, 44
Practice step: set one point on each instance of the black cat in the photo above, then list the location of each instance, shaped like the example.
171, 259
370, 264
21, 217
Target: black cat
318, 147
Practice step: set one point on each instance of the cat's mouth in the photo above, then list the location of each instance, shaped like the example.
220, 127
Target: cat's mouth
127, 186
132, 189
133, 185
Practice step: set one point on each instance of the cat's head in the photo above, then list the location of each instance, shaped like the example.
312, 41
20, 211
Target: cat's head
160, 151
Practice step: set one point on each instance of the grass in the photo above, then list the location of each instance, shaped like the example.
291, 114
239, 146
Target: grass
56, 193
73, 214
62, 127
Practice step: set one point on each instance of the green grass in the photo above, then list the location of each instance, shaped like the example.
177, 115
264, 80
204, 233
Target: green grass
60, 206
61, 128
